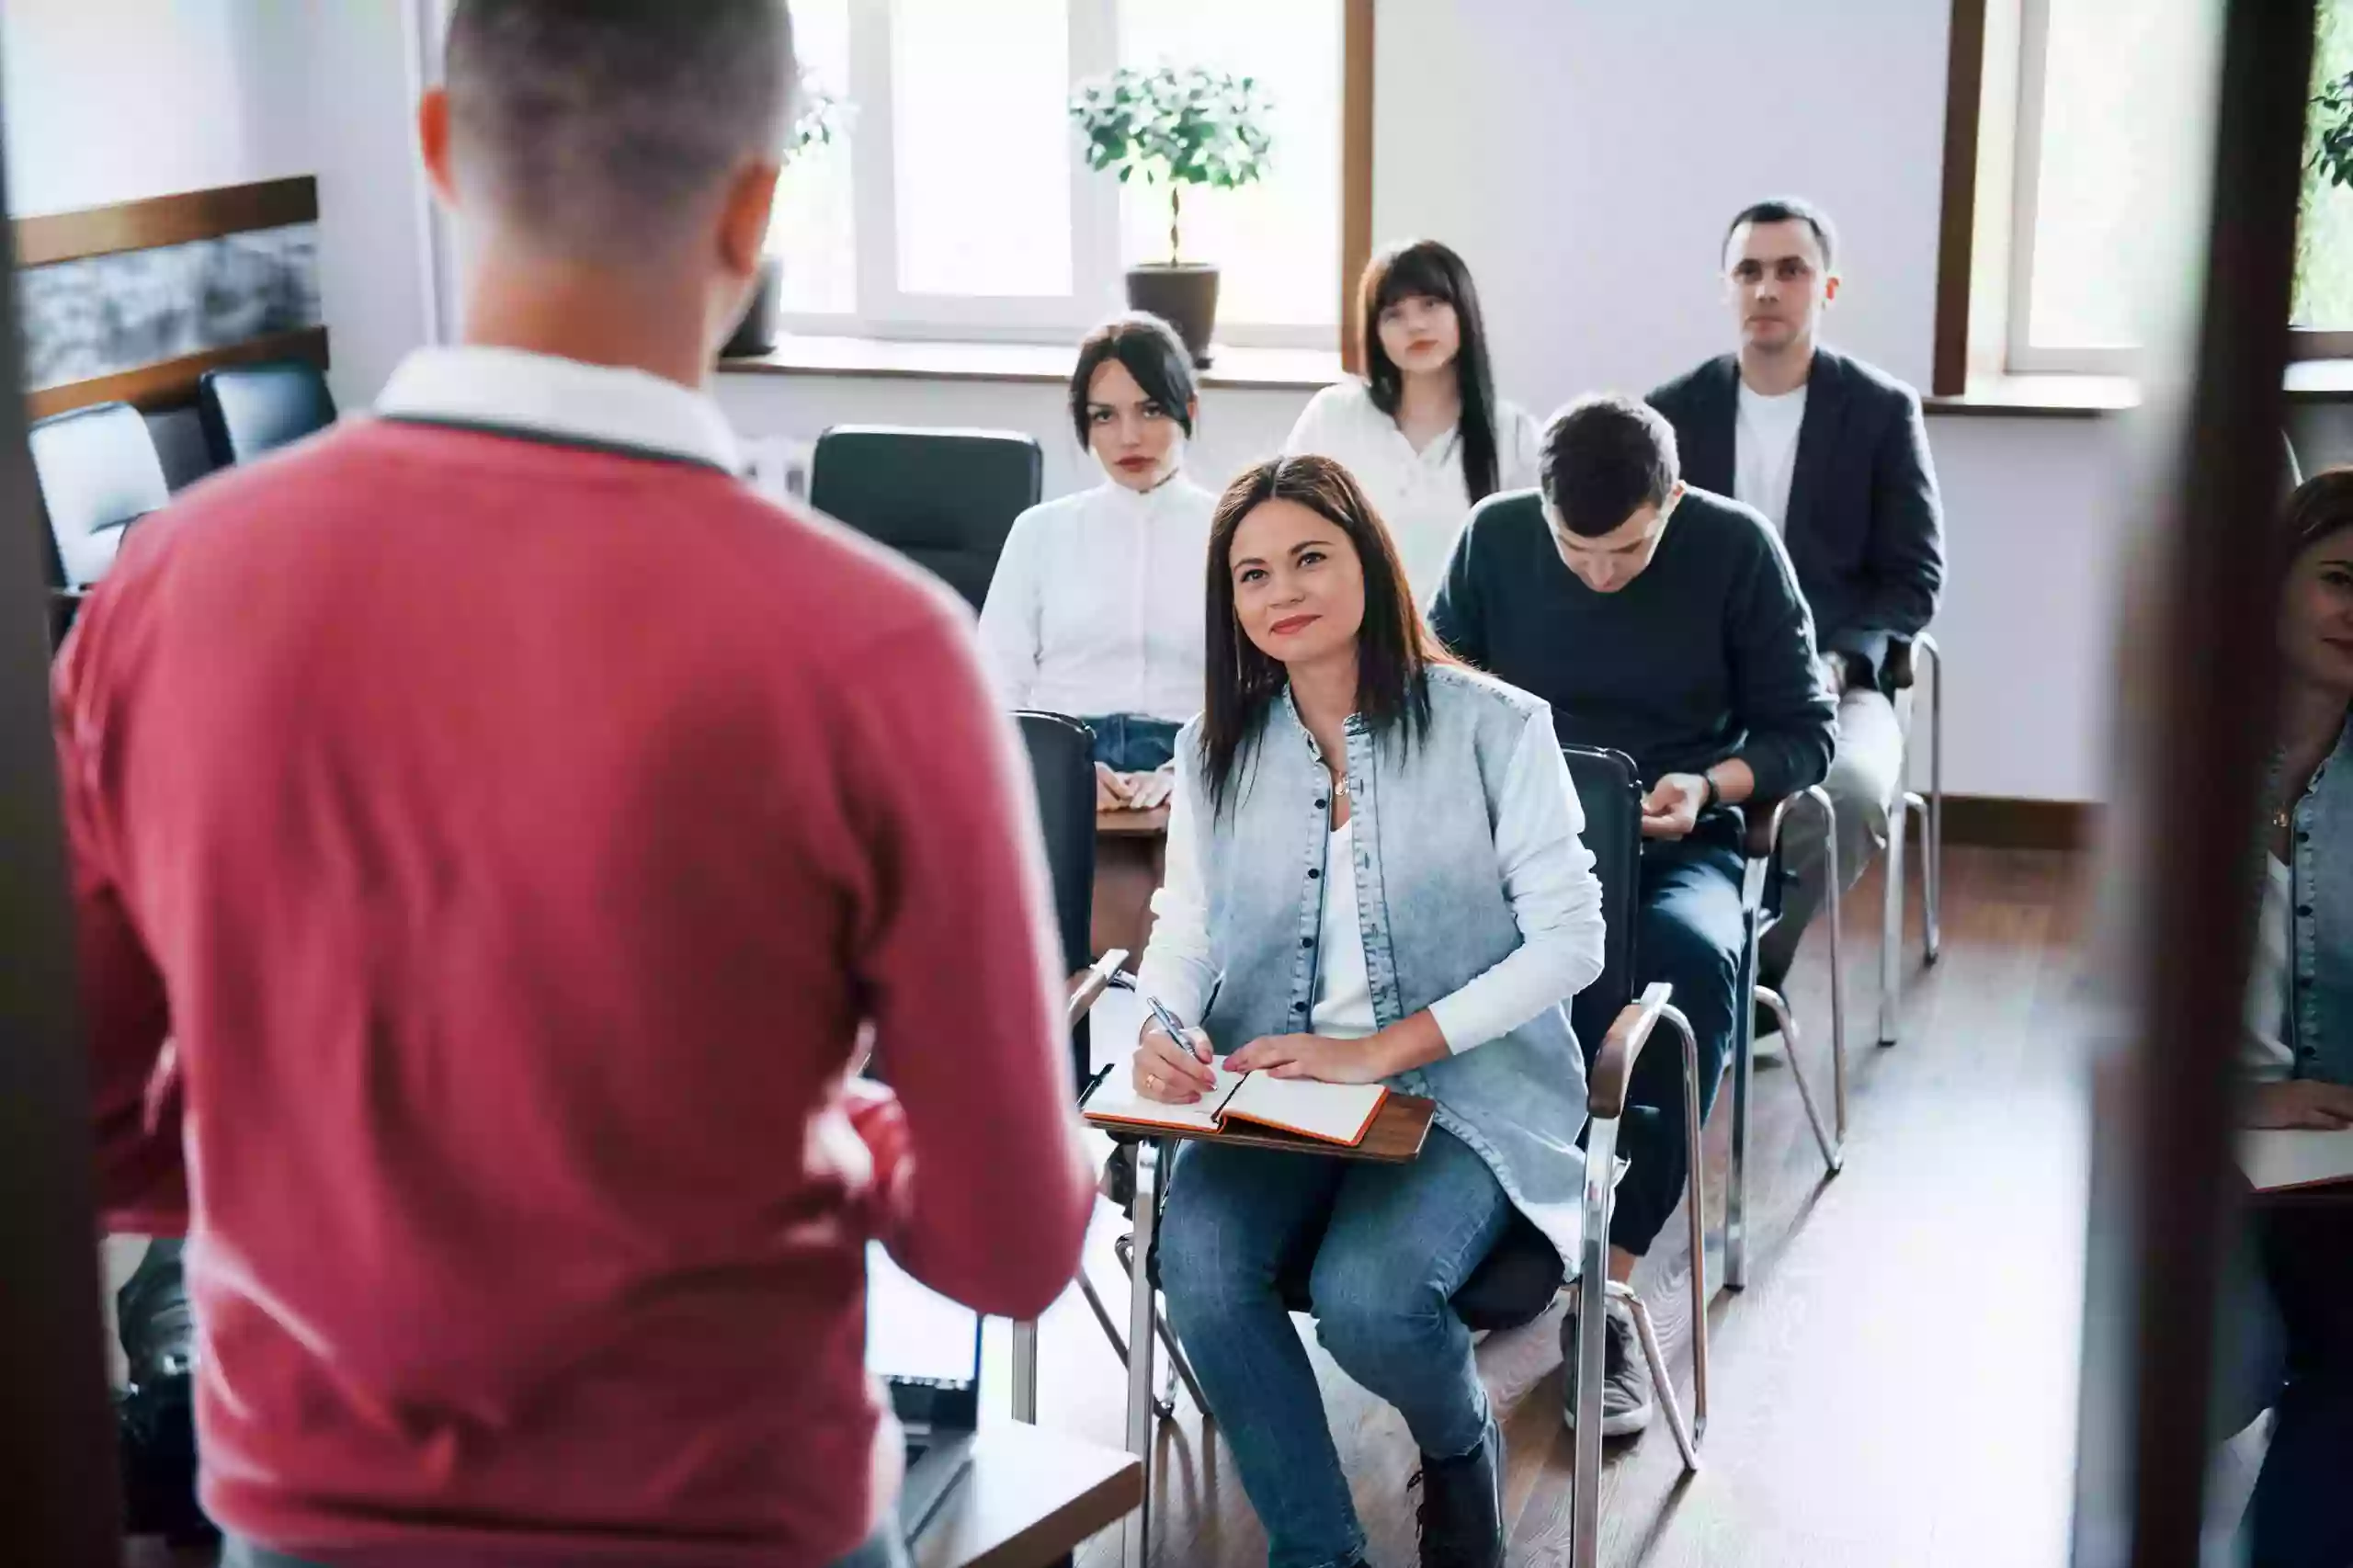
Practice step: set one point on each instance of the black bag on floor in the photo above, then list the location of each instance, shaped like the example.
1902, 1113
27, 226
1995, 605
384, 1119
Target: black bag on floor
155, 1415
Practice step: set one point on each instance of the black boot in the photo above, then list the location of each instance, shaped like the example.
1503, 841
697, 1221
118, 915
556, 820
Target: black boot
1462, 1513
155, 1415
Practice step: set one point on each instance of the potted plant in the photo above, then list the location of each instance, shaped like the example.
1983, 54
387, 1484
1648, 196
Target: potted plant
1178, 127
818, 123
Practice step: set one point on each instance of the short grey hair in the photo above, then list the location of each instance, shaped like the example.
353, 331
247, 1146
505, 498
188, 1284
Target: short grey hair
601, 126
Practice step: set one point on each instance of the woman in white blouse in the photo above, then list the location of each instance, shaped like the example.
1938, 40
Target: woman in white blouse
1096, 609
1423, 433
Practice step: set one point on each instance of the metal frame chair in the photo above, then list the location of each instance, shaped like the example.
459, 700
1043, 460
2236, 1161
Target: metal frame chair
1904, 659
1761, 905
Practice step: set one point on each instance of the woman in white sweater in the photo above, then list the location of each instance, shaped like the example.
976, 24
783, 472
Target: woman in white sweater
1095, 610
1423, 433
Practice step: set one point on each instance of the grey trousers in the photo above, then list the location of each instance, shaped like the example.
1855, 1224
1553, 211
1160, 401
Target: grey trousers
885, 1551
1864, 779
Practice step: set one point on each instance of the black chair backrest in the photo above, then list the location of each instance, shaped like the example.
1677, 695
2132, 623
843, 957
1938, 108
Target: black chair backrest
1610, 791
99, 474
945, 499
247, 410
1062, 760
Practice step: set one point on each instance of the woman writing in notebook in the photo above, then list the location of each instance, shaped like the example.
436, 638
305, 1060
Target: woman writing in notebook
1374, 875
1424, 432
1096, 609
2300, 1035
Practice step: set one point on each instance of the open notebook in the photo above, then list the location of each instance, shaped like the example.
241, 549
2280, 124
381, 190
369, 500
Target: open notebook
1330, 1113
2277, 1160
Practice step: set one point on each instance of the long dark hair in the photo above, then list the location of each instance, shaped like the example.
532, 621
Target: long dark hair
1395, 650
1427, 270
2320, 506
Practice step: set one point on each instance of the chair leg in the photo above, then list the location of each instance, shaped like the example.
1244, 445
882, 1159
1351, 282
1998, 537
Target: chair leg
1025, 1370
1743, 1070
1834, 1152
1891, 937
1136, 1534
1835, 871
1934, 867
1684, 1440
1695, 1201
1585, 1372
1180, 1369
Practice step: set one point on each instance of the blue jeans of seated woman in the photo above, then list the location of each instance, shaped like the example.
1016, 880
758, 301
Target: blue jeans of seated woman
1127, 742
1396, 1241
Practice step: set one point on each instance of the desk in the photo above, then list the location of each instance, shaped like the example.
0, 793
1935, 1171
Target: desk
1031, 1496
1130, 850
1396, 1136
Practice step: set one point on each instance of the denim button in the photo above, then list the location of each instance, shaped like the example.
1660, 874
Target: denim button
2304, 911
1307, 941
1321, 805
1314, 874
1299, 1008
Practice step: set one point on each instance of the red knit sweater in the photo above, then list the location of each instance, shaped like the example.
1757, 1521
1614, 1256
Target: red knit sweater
510, 838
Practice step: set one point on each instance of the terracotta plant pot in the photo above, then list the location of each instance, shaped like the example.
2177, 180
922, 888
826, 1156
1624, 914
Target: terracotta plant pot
1184, 295
756, 333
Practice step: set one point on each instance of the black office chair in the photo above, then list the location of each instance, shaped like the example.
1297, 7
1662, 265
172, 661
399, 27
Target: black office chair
945, 499
247, 410
1518, 1280
99, 474
1062, 766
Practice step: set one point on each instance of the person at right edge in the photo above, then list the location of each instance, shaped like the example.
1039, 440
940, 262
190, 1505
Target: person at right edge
493, 841
1664, 622
1835, 454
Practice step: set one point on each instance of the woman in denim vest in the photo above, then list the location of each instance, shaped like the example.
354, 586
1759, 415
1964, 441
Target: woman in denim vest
2300, 1032
1374, 875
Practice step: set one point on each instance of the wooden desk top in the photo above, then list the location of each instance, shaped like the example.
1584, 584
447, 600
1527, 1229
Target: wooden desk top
1396, 1135
1131, 824
1030, 1497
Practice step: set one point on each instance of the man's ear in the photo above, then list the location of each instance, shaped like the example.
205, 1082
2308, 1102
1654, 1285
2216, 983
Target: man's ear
1830, 288
744, 221
433, 142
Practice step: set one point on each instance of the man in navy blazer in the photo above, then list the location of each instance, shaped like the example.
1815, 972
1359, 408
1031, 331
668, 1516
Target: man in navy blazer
1834, 453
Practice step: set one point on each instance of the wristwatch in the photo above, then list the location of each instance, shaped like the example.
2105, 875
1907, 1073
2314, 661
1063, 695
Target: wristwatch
1709, 803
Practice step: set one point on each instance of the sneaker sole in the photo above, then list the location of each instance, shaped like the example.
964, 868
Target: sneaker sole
1626, 1423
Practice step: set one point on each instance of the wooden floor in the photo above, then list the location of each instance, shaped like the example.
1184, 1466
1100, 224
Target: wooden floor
1897, 1386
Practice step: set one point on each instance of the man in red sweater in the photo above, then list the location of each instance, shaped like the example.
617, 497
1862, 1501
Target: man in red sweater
491, 834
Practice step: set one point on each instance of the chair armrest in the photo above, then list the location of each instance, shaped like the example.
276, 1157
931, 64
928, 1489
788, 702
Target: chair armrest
1087, 987
1764, 833
1613, 1064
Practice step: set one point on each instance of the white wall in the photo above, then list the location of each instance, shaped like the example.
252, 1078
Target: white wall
114, 100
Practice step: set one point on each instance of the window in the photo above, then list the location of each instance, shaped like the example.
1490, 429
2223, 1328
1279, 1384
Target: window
953, 200
2095, 154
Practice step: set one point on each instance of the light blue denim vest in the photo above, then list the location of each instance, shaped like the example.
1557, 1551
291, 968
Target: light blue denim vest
1431, 911
2320, 920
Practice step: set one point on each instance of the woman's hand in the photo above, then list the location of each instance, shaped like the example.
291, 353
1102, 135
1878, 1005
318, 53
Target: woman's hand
1172, 1072
1112, 790
1313, 1056
1150, 791
2301, 1103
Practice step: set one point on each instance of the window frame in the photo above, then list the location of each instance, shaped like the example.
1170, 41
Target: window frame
2020, 355
884, 311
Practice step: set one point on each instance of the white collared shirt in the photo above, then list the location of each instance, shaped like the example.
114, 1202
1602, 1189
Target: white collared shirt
566, 399
1764, 451
1098, 603
1421, 496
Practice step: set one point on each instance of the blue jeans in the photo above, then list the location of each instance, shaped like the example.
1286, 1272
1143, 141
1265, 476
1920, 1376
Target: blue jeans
885, 1551
1691, 935
1389, 1246
1126, 742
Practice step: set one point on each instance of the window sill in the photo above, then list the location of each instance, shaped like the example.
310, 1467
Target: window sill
1270, 369
2039, 397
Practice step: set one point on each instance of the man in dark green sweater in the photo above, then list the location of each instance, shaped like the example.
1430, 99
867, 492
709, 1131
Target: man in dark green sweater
1665, 623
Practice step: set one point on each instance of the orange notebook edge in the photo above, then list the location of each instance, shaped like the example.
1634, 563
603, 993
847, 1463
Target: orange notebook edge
1370, 1116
